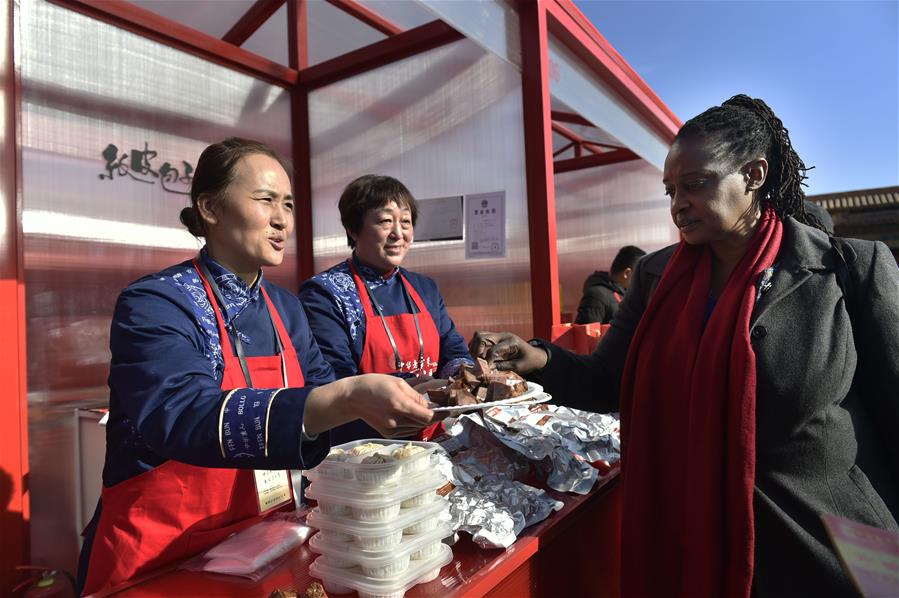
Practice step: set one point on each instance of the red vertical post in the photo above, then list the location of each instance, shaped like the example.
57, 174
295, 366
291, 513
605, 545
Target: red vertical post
302, 156
538, 157
14, 513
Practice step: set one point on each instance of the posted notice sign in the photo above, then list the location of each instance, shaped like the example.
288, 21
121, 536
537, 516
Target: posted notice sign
485, 225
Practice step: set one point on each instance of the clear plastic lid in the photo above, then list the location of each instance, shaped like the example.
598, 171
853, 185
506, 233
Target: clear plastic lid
343, 462
407, 517
323, 491
420, 571
376, 558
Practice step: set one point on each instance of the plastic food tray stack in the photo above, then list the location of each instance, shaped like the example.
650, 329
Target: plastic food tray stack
381, 525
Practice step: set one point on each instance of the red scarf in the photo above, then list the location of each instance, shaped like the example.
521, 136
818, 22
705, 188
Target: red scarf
688, 426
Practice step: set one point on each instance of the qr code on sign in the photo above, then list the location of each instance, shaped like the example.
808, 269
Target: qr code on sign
474, 245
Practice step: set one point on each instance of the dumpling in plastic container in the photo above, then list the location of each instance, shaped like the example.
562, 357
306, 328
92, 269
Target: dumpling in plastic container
407, 452
364, 449
336, 454
381, 474
377, 458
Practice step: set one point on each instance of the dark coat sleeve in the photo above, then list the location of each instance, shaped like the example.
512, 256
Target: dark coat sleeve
597, 305
874, 309
592, 382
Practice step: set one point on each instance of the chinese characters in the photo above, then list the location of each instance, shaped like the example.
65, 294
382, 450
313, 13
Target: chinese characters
138, 165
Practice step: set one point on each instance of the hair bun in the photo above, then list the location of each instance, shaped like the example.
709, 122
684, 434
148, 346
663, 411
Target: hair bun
191, 219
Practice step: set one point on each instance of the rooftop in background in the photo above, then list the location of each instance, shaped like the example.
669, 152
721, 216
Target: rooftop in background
861, 199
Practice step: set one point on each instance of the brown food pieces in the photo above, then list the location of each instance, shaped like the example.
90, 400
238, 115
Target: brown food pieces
479, 384
315, 590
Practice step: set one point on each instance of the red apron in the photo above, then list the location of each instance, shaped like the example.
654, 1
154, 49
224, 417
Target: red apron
377, 352
178, 510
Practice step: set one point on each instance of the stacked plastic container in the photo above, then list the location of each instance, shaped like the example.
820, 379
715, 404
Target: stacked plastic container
381, 521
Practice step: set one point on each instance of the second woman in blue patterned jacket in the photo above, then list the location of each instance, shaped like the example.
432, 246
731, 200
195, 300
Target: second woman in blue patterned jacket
370, 315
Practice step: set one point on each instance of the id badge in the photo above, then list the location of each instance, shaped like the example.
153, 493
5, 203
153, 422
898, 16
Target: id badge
273, 488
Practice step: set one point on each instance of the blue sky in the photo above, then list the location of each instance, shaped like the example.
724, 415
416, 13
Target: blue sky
830, 71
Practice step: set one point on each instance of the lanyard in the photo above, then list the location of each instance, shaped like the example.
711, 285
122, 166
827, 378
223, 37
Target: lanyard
421, 343
238, 345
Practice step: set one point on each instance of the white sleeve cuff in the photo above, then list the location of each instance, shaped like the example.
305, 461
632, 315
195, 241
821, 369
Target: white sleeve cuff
307, 437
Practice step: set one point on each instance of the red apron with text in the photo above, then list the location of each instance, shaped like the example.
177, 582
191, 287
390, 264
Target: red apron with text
178, 510
377, 352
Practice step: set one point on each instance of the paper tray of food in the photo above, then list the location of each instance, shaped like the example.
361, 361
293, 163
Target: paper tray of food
534, 396
480, 385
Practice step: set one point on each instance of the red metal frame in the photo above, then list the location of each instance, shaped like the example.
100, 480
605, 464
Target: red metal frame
541, 194
611, 157
14, 509
569, 117
579, 142
367, 16
298, 49
398, 47
567, 146
252, 20
597, 147
171, 33
572, 28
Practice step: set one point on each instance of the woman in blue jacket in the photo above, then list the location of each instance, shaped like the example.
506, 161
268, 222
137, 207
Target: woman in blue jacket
216, 382
370, 315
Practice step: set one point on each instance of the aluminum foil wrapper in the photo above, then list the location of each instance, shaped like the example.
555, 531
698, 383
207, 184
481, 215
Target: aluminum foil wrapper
487, 502
486, 455
564, 441
494, 510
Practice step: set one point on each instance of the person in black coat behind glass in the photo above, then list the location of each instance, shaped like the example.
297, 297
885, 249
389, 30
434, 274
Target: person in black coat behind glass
603, 291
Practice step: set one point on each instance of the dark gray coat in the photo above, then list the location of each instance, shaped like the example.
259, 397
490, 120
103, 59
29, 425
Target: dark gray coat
599, 302
827, 401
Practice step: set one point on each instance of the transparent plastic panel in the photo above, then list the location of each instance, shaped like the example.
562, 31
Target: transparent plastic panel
558, 143
407, 14
447, 122
270, 40
333, 32
598, 211
593, 134
214, 17
492, 24
592, 98
94, 220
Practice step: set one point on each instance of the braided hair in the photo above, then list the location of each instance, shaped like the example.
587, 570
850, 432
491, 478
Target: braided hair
743, 128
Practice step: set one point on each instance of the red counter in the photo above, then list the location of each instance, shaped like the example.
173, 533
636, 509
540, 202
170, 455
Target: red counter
574, 552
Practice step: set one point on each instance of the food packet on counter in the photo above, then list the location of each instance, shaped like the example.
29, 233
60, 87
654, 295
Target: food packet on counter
495, 510
573, 447
484, 498
254, 551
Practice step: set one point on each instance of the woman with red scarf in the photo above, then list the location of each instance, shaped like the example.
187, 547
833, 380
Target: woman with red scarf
755, 364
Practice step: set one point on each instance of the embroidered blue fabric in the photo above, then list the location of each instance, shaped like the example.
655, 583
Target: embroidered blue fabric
236, 293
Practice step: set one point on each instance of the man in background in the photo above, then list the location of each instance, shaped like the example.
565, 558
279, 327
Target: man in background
603, 291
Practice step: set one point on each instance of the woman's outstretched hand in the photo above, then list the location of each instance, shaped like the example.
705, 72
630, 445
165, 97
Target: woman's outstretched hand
507, 351
386, 403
